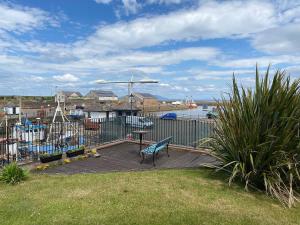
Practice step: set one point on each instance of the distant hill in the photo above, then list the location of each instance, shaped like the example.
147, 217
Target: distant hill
161, 98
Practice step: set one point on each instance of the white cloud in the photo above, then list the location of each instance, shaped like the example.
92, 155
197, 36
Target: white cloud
207, 88
180, 88
210, 20
131, 6
21, 19
66, 78
167, 57
167, 2
284, 39
37, 78
148, 62
103, 1
262, 61
185, 78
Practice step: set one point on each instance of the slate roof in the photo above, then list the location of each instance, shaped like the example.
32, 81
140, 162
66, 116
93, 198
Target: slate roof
144, 95
102, 93
125, 106
69, 93
97, 108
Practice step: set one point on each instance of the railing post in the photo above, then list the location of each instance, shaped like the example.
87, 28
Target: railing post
6, 141
195, 133
125, 127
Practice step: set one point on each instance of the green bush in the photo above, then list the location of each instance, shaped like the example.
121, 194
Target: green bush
46, 155
257, 136
13, 174
80, 148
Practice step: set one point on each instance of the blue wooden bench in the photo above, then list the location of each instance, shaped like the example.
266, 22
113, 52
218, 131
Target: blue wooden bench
154, 149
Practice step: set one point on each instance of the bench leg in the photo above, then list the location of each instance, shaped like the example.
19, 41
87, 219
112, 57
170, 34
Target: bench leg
143, 157
153, 159
168, 150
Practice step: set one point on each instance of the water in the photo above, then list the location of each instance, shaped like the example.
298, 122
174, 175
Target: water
189, 113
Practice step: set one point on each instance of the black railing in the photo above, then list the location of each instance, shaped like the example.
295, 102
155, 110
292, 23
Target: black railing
184, 132
29, 141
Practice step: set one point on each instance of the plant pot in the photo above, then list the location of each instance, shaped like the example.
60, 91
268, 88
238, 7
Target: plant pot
50, 158
75, 153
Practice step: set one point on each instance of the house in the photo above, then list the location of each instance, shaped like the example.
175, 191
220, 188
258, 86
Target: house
144, 100
30, 109
125, 109
65, 95
11, 109
102, 96
35, 109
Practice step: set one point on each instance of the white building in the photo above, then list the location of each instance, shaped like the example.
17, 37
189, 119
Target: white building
98, 112
11, 109
177, 103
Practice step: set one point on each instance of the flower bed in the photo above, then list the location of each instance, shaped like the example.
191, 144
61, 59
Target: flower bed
75, 152
45, 158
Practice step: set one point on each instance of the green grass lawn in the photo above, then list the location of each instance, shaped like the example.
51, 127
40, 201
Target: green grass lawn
162, 197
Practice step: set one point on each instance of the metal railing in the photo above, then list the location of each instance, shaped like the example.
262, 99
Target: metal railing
29, 141
185, 132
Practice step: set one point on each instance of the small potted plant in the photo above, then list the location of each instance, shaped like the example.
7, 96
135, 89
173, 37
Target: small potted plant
49, 157
75, 152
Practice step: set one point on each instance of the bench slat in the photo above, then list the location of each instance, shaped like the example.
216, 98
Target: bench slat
157, 147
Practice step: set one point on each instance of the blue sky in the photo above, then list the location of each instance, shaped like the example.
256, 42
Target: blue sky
192, 47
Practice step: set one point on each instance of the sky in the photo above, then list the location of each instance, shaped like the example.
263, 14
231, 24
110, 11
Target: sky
192, 47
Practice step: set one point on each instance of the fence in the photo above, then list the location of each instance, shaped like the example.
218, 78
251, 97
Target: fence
27, 142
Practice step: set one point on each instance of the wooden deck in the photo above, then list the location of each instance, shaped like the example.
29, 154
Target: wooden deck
125, 157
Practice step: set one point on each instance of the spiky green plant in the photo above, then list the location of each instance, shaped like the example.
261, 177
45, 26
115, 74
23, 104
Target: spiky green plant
12, 174
257, 135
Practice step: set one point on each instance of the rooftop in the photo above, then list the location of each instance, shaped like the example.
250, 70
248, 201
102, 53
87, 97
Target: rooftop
144, 95
125, 106
69, 93
97, 108
102, 93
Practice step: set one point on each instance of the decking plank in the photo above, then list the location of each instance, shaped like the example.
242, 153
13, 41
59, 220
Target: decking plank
125, 157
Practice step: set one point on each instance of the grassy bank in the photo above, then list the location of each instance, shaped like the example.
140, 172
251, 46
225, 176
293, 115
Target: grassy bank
151, 197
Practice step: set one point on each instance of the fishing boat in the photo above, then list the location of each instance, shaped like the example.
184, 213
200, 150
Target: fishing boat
190, 103
29, 132
35, 139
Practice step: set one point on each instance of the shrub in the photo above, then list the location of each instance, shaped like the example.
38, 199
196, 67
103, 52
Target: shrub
257, 136
45, 155
80, 148
12, 174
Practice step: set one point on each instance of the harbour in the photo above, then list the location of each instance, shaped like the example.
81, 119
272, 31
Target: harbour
193, 113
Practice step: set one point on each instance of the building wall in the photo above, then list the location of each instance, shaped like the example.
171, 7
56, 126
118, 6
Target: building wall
98, 115
41, 113
111, 98
12, 110
147, 102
